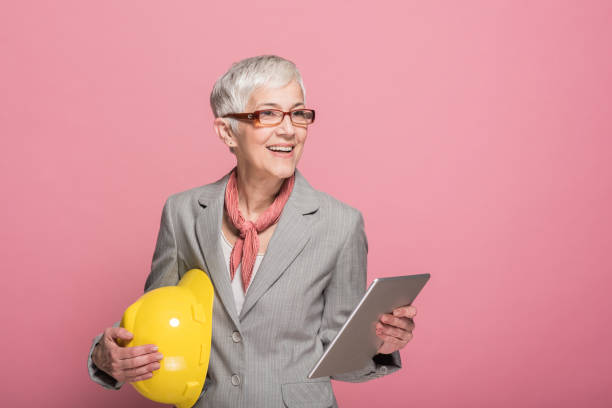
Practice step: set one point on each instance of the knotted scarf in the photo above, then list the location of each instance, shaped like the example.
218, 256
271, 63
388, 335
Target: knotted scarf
247, 245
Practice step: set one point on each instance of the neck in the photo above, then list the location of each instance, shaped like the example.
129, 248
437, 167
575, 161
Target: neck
255, 193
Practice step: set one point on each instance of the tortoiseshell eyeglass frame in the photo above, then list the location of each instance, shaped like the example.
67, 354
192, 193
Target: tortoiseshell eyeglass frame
254, 116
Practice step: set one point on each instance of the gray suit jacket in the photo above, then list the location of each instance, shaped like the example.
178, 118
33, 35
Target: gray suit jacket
310, 279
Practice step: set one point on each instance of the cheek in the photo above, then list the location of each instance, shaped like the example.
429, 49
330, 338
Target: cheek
260, 139
302, 141
300, 149
254, 143
301, 137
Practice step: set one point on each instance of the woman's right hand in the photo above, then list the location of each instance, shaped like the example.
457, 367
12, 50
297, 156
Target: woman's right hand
125, 363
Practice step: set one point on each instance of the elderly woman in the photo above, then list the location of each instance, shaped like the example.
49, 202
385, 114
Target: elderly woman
288, 262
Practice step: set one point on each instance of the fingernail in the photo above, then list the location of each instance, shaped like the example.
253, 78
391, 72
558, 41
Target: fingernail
159, 356
155, 348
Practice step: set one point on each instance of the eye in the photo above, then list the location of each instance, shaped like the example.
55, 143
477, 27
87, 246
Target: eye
303, 114
268, 113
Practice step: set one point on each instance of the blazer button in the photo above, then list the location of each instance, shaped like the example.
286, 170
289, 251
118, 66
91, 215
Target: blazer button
236, 337
235, 380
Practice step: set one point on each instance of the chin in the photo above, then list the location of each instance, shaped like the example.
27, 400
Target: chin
283, 171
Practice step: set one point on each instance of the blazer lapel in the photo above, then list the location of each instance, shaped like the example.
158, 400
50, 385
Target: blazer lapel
289, 238
208, 228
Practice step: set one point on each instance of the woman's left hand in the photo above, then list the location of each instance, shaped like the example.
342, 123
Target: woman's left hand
395, 329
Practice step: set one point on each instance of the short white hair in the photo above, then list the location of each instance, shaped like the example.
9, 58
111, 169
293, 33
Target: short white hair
232, 90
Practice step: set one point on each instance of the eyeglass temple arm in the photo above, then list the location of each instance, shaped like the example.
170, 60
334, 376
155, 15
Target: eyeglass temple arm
239, 115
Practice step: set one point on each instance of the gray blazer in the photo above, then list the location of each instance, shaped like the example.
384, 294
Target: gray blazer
310, 279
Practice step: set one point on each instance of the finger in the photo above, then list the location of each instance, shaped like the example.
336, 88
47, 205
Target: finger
140, 371
400, 334
391, 340
120, 369
135, 351
119, 333
142, 377
401, 322
139, 361
395, 340
386, 348
405, 311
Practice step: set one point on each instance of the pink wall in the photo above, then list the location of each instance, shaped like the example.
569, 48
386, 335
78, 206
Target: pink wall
491, 118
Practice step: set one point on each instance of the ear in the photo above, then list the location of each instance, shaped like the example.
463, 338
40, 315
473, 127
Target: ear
224, 132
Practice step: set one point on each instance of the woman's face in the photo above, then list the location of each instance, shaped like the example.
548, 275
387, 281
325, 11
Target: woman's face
252, 143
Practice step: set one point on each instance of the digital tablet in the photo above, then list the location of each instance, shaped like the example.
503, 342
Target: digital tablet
356, 342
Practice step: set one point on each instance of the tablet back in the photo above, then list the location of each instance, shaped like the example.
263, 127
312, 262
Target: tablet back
356, 342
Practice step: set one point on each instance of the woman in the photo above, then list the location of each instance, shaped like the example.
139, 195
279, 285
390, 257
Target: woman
288, 262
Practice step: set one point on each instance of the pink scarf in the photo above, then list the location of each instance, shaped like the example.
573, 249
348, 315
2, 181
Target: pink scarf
247, 245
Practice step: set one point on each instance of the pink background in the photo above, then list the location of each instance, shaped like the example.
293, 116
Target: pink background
489, 119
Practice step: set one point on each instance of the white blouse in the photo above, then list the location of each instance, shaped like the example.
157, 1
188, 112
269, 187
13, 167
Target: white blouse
237, 282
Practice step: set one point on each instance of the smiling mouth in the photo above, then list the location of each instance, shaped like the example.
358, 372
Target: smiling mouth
280, 149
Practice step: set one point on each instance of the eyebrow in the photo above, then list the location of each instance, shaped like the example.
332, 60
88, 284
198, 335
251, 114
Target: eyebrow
277, 105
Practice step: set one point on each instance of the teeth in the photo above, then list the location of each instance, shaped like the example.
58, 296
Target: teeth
280, 148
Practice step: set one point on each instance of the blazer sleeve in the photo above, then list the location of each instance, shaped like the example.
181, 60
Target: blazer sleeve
164, 272
345, 289
98, 376
164, 267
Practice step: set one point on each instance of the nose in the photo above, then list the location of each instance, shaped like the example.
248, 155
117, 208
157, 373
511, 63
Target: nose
286, 126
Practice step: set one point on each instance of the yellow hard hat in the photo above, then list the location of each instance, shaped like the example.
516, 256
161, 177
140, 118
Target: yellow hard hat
178, 319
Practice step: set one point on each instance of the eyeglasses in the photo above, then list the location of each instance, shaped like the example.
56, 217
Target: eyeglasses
273, 117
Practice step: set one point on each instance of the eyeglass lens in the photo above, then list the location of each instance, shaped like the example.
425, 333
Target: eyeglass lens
272, 117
